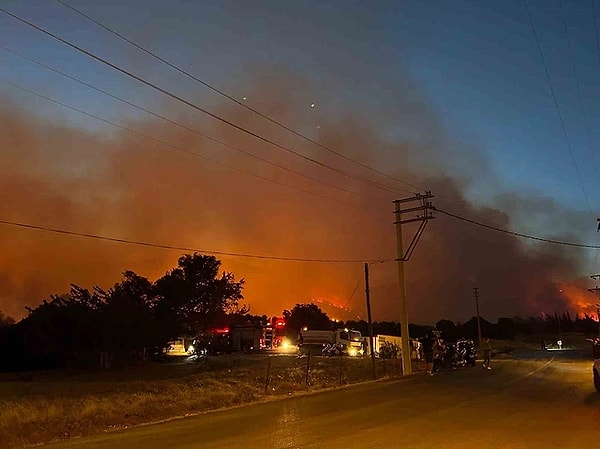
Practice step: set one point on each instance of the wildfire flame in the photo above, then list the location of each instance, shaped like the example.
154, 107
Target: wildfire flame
580, 300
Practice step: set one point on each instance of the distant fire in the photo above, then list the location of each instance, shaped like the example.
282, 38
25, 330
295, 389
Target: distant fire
336, 308
580, 300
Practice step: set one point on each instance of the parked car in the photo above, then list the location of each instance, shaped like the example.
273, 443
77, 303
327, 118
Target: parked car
596, 366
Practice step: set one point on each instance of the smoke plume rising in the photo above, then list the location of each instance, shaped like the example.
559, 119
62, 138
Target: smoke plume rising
113, 183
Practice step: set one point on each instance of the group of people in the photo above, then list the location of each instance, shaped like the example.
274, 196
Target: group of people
434, 349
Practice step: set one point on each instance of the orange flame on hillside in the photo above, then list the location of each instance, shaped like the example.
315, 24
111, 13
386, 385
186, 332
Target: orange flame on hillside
580, 299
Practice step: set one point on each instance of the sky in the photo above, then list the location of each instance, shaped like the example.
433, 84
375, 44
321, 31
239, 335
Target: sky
452, 97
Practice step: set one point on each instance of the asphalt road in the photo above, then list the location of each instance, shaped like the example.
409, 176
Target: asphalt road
545, 400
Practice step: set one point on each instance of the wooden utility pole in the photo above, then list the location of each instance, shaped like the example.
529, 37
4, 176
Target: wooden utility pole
596, 290
371, 336
598, 316
425, 209
476, 293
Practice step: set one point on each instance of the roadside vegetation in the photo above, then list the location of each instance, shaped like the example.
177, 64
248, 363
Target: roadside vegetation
40, 407
65, 404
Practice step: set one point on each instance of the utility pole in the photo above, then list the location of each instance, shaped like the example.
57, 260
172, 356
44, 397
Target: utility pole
598, 316
424, 212
371, 337
596, 290
476, 293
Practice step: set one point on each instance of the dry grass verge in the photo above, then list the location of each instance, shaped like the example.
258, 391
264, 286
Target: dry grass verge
66, 404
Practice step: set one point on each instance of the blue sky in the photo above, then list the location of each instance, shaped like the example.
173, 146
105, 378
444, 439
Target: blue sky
480, 64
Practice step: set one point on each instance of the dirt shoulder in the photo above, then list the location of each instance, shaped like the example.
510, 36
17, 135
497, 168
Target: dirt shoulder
38, 408
64, 404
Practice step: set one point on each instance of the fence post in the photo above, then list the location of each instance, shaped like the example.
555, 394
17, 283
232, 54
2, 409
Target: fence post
308, 367
341, 367
268, 374
384, 367
398, 369
373, 368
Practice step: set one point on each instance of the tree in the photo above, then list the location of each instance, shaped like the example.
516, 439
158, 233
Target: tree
506, 329
5, 320
386, 328
127, 320
469, 328
448, 330
61, 331
361, 326
192, 297
305, 315
7, 326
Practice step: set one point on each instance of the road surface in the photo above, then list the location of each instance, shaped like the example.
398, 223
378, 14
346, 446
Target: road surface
544, 401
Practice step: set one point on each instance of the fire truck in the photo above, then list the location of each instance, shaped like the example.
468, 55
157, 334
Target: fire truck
246, 338
225, 340
274, 334
328, 342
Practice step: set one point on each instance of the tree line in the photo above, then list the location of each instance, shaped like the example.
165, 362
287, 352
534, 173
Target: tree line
134, 319
137, 318
505, 328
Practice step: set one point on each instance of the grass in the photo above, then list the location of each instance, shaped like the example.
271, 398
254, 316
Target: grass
69, 403
66, 404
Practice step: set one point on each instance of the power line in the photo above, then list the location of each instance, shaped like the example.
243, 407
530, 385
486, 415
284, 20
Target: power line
231, 98
596, 30
516, 234
193, 105
597, 35
166, 119
556, 105
180, 248
580, 97
175, 147
347, 303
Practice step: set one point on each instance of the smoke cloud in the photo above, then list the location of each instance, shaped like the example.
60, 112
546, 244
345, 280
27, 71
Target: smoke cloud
117, 184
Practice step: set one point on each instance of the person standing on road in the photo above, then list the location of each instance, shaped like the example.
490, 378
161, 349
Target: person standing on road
439, 350
487, 353
427, 346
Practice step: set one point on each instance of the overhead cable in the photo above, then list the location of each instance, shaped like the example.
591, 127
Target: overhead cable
556, 105
233, 99
166, 119
184, 150
579, 95
195, 106
182, 248
516, 234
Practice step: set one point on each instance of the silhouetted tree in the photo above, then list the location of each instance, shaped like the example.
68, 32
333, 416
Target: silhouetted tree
361, 326
5, 320
128, 323
309, 315
191, 297
448, 329
469, 329
506, 329
418, 330
386, 328
61, 331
